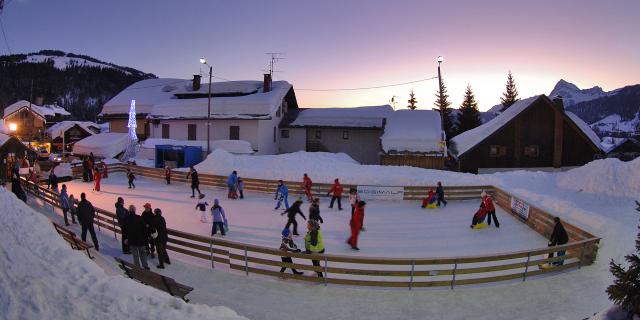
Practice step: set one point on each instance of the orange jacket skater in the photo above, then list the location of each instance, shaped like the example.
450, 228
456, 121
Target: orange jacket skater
356, 223
337, 190
431, 198
96, 178
306, 186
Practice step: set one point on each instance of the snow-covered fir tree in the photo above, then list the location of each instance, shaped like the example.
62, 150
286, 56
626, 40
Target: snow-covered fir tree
625, 290
510, 96
469, 115
412, 101
443, 103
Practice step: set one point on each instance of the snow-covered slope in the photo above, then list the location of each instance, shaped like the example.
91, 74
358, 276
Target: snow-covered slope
62, 60
614, 123
41, 277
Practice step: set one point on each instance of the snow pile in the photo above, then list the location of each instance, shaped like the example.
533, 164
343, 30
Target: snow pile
584, 127
324, 167
412, 131
42, 277
608, 176
614, 313
106, 145
360, 117
233, 146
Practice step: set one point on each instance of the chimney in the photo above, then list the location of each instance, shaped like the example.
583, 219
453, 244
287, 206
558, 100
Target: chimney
196, 82
267, 83
39, 101
557, 100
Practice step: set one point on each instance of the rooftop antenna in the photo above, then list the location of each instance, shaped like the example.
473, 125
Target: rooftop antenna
275, 56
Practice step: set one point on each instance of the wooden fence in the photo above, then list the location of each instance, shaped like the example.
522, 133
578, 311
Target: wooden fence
369, 271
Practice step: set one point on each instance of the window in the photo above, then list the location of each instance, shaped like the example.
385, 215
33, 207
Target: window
274, 133
165, 131
318, 134
531, 151
234, 133
191, 132
497, 151
345, 134
284, 134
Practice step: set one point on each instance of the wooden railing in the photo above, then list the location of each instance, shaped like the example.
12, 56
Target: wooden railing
367, 271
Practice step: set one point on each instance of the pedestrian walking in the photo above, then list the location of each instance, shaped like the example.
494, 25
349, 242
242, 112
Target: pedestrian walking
86, 215
306, 186
336, 191
288, 245
356, 223
122, 215
65, 205
313, 242
137, 237
291, 213
491, 209
195, 182
161, 238
167, 174
219, 218
558, 237
202, 206
131, 178
314, 210
147, 217
440, 195
282, 194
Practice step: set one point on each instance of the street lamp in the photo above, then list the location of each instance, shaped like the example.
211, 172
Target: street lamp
442, 115
204, 61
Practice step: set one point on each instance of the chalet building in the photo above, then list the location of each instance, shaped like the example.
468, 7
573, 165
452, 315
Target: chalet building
11, 149
70, 132
29, 121
625, 149
177, 109
354, 131
413, 138
534, 132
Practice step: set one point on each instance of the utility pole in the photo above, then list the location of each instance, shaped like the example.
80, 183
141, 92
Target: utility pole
440, 59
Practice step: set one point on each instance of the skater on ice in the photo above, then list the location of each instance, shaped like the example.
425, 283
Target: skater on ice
167, 174
219, 219
288, 245
202, 207
291, 215
336, 194
356, 223
314, 210
241, 187
306, 186
232, 182
430, 200
440, 195
478, 218
96, 180
130, 178
313, 242
354, 198
491, 210
195, 182
282, 194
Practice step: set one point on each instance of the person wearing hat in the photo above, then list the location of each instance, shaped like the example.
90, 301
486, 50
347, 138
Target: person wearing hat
491, 210
290, 246
202, 206
356, 223
147, 217
219, 218
313, 242
336, 190
291, 213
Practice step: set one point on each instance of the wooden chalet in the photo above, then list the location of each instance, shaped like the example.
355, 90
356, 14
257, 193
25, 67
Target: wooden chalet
532, 133
627, 149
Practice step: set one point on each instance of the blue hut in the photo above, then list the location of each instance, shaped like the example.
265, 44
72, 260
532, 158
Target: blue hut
177, 156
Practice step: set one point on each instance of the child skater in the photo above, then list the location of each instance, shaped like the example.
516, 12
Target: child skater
290, 246
202, 206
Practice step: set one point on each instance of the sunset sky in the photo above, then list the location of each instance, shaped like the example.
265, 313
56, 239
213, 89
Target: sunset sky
347, 44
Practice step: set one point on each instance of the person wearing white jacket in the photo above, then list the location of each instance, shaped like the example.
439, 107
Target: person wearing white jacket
219, 218
202, 206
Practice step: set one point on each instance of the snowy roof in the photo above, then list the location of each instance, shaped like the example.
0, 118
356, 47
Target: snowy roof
412, 131
4, 138
156, 98
360, 117
106, 145
468, 139
57, 129
584, 127
43, 111
152, 142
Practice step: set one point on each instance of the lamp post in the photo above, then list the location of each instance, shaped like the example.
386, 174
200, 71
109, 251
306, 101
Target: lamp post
204, 61
440, 60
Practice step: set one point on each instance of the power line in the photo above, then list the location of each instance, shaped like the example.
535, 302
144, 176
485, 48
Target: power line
369, 88
4, 36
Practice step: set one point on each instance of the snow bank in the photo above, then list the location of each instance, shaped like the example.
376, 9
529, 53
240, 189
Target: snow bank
106, 145
613, 313
412, 131
324, 167
608, 176
42, 278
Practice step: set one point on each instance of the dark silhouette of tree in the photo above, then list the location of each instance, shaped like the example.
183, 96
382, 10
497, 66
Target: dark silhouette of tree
510, 96
412, 101
442, 102
469, 115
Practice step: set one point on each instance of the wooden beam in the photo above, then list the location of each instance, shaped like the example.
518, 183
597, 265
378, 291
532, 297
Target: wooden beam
557, 138
517, 141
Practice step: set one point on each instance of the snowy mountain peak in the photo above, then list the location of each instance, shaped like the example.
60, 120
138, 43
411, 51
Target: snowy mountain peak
571, 94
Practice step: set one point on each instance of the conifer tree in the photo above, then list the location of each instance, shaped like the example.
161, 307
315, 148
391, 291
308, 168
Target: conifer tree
510, 96
625, 290
443, 103
469, 115
412, 101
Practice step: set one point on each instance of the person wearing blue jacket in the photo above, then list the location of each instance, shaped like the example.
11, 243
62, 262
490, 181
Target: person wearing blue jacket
282, 193
65, 205
232, 181
219, 218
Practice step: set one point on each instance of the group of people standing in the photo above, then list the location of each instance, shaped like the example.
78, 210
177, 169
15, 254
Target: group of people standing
235, 185
94, 172
143, 235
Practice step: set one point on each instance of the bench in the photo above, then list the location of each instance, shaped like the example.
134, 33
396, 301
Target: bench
75, 242
155, 280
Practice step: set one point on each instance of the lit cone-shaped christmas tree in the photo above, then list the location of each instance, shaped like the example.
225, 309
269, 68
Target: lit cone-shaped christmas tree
132, 139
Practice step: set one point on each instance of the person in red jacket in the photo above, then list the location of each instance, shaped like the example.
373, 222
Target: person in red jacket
431, 198
337, 190
96, 179
356, 223
479, 216
306, 186
491, 210
167, 174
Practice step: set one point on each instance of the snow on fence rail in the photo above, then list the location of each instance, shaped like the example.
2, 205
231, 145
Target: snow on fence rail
373, 271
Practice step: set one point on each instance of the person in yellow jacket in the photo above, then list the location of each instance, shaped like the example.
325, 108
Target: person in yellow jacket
313, 242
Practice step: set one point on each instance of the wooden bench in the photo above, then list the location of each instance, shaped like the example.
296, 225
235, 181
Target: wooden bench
155, 280
75, 242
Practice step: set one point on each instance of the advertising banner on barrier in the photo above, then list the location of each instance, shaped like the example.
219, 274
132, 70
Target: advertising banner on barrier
380, 193
520, 208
